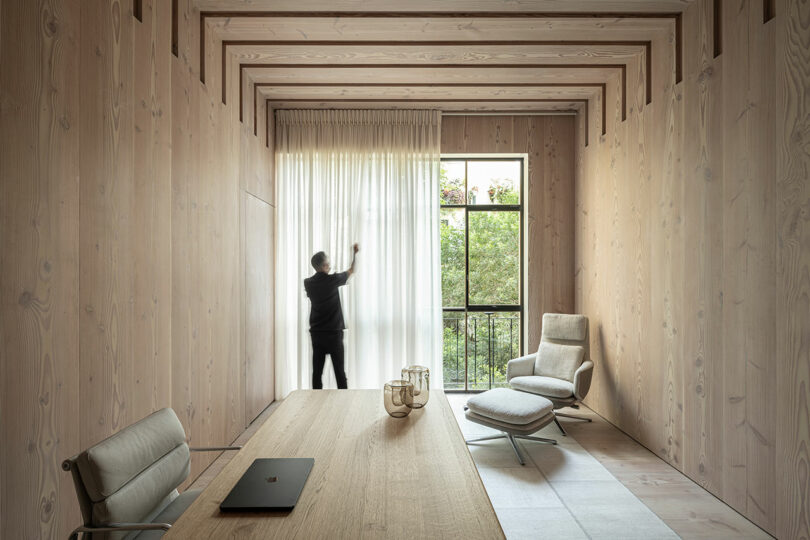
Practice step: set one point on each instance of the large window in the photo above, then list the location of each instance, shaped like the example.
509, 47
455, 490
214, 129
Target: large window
481, 241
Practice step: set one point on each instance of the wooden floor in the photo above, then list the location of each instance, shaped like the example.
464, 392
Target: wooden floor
689, 510
685, 507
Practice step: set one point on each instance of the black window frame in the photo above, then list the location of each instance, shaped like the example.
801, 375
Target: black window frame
488, 308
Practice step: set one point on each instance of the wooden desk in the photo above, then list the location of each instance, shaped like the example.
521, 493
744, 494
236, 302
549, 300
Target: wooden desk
374, 476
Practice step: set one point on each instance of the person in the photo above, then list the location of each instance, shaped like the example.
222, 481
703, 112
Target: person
326, 323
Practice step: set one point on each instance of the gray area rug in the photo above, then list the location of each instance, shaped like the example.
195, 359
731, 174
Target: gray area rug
562, 492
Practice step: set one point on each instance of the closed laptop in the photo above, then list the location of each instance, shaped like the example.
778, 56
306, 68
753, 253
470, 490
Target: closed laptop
269, 484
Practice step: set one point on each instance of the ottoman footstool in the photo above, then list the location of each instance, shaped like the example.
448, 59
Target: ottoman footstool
516, 414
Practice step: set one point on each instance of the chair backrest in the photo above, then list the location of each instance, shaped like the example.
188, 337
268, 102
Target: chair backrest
564, 329
132, 475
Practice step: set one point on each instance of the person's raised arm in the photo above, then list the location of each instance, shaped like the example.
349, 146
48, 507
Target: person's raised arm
355, 249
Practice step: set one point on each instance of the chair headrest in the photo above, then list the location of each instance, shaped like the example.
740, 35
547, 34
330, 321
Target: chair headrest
560, 326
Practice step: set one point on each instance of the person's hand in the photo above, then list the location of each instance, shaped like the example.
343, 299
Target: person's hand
356, 248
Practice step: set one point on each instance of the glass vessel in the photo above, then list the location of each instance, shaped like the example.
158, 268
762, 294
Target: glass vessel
419, 377
398, 398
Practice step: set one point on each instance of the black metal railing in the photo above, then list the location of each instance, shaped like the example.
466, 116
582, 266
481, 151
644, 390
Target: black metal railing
476, 348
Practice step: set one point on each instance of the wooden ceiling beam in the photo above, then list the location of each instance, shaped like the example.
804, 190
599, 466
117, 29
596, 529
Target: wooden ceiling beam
621, 67
448, 6
676, 17
374, 98
437, 29
646, 45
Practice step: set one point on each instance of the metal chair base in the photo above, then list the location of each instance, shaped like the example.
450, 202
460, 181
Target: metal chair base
560, 426
575, 417
556, 414
512, 441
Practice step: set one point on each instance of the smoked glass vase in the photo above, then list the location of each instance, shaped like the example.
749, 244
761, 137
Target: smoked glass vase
419, 376
398, 398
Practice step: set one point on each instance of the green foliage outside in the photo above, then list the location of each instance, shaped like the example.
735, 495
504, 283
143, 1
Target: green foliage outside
494, 258
501, 332
451, 229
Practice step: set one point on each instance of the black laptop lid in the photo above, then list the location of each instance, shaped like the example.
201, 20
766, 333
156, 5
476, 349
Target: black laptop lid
269, 484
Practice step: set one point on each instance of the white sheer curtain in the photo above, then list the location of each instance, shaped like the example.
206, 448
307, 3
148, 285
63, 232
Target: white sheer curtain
370, 177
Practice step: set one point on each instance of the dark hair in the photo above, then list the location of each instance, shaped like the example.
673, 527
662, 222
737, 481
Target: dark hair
318, 259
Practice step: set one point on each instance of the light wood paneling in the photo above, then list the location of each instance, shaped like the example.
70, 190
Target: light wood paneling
792, 118
459, 106
259, 343
434, 93
152, 196
432, 29
703, 196
447, 5
696, 301
549, 141
39, 255
433, 54
736, 251
435, 74
121, 186
106, 221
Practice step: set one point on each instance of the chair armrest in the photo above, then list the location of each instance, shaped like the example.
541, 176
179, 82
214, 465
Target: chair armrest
520, 367
214, 448
582, 380
113, 527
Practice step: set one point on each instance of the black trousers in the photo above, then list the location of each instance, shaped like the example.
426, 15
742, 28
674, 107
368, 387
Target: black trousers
330, 343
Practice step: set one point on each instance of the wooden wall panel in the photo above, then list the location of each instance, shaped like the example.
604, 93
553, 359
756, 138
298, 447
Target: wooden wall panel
185, 251
39, 256
549, 142
708, 367
736, 251
703, 232
105, 281
792, 199
151, 203
120, 244
259, 343
257, 175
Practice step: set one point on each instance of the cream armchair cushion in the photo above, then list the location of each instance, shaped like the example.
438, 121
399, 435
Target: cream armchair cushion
508, 406
558, 361
544, 386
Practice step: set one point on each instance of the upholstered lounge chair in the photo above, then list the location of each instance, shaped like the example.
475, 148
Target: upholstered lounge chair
561, 370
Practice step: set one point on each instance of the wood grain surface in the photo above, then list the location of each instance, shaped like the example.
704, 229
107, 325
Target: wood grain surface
39, 253
792, 117
258, 317
451, 6
424, 28
403, 75
702, 229
374, 476
414, 51
124, 225
695, 202
120, 252
549, 141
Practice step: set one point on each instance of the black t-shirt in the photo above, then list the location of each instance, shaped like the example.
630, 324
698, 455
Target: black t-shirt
326, 315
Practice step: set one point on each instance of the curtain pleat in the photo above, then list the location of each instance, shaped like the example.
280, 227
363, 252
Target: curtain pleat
345, 176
